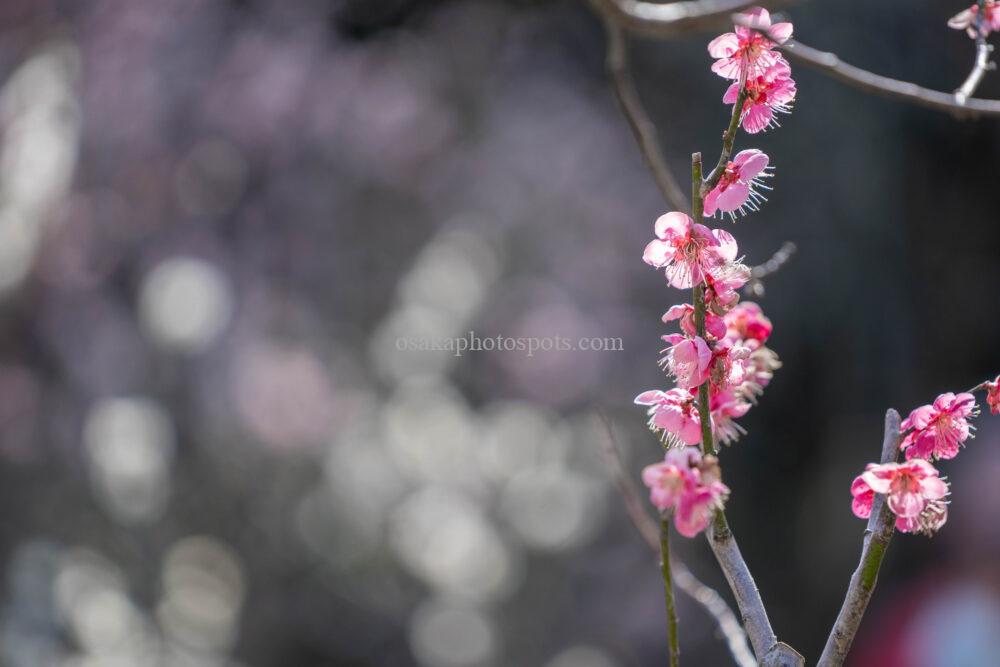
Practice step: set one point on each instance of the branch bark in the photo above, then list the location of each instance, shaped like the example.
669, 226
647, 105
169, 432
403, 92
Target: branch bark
881, 525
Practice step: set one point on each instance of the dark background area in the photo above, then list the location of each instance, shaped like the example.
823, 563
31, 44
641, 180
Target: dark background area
216, 219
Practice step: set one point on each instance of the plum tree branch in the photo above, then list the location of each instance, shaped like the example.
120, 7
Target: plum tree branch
720, 537
881, 525
642, 127
656, 20
706, 596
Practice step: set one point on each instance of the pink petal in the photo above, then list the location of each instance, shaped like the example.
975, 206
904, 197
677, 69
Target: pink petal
877, 483
672, 225
906, 503
751, 162
732, 93
651, 397
676, 312
733, 197
728, 68
780, 32
656, 253
690, 432
724, 46
711, 199
757, 118
757, 18
934, 488
907, 525
669, 418
727, 245
862, 506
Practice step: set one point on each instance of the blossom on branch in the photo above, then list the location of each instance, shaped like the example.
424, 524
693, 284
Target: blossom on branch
687, 359
689, 485
714, 325
736, 190
727, 406
747, 321
993, 396
772, 91
748, 51
914, 492
938, 430
687, 250
674, 413
966, 19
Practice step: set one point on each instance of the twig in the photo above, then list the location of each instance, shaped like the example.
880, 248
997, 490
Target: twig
880, 528
982, 59
757, 274
647, 18
642, 127
706, 596
668, 592
728, 139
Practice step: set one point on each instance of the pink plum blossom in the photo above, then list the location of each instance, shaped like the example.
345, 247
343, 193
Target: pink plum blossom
748, 51
721, 285
993, 396
937, 431
746, 321
774, 90
674, 413
763, 362
686, 249
736, 190
915, 494
714, 325
966, 19
687, 359
688, 484
730, 365
727, 406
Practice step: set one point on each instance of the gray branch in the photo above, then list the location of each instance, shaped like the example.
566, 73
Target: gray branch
881, 524
755, 620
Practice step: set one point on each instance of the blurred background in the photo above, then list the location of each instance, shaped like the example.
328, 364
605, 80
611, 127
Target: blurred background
217, 218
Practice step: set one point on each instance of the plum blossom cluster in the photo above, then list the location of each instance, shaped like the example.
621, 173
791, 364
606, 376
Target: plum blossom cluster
915, 492
762, 86
689, 486
731, 357
718, 361
967, 19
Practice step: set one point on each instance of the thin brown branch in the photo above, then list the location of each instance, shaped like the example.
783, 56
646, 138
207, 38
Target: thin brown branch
653, 20
982, 63
642, 127
706, 596
881, 524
